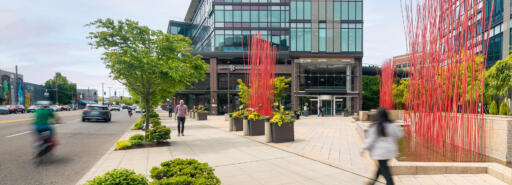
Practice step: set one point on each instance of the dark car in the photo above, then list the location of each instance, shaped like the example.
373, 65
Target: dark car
12, 109
20, 108
96, 112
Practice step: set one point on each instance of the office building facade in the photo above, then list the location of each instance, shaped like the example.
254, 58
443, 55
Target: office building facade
320, 45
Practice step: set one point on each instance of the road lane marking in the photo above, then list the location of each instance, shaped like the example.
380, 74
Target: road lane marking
28, 119
18, 134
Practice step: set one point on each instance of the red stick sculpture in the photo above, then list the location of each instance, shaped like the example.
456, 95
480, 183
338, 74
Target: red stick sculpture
386, 84
447, 43
262, 61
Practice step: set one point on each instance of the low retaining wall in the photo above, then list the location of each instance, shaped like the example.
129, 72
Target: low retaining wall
394, 115
498, 137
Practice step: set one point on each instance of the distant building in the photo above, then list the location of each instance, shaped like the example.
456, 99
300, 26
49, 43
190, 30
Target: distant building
34, 93
401, 61
9, 93
87, 96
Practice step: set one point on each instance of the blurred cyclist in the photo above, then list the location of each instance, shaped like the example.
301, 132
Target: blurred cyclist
44, 117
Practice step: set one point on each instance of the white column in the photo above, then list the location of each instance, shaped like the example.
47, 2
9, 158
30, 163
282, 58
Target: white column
349, 78
349, 104
505, 27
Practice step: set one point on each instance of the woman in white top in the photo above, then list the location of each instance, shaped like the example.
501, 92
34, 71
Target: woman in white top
381, 141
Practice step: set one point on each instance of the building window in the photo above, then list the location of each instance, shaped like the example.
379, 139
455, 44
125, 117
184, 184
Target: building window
237, 16
246, 16
307, 39
228, 16
300, 10
219, 16
293, 10
337, 10
307, 10
322, 34
344, 10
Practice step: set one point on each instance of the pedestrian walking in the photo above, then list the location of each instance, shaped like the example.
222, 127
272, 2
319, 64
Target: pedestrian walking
381, 141
181, 114
169, 108
305, 110
321, 114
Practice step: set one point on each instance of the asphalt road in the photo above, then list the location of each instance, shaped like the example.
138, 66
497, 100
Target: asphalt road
81, 144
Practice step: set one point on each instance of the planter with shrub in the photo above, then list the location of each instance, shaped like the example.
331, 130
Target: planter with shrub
183, 171
201, 113
256, 124
119, 177
238, 121
282, 129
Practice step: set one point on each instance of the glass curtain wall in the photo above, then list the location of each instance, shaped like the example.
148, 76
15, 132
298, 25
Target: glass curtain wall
351, 36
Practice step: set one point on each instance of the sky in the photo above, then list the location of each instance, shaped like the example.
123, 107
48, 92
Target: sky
42, 37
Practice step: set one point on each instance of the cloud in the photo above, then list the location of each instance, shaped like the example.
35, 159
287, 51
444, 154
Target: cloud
16, 29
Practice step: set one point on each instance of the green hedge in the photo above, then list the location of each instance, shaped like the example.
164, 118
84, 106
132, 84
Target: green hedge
155, 122
123, 144
158, 134
493, 109
119, 177
138, 125
183, 171
136, 139
504, 109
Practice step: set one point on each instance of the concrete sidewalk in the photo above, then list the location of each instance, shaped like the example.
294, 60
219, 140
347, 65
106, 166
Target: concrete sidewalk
237, 160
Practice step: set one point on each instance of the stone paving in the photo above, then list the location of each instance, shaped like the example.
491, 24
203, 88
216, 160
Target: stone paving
326, 151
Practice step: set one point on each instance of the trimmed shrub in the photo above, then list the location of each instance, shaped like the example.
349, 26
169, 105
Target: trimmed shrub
123, 144
493, 109
136, 139
183, 171
504, 109
155, 122
119, 177
138, 125
159, 134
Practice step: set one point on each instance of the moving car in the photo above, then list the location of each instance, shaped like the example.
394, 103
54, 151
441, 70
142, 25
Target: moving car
32, 108
55, 108
139, 110
96, 112
4, 110
115, 107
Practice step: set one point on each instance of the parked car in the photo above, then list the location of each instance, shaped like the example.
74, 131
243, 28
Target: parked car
4, 109
96, 112
125, 107
65, 108
139, 110
55, 108
115, 107
20, 108
12, 109
32, 108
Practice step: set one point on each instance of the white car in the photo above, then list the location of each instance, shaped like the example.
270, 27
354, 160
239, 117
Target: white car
138, 110
115, 107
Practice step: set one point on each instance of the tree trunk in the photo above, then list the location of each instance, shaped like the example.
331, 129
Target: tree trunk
146, 99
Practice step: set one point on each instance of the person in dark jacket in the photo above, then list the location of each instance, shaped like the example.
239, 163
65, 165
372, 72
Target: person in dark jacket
169, 108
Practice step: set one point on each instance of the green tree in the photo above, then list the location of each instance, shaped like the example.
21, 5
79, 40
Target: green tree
244, 93
493, 110
504, 109
400, 94
371, 92
151, 64
281, 88
67, 90
498, 80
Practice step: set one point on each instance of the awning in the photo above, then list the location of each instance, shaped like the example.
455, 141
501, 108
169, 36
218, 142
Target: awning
86, 102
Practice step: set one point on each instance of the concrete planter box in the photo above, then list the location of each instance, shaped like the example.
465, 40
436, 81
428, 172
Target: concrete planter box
202, 116
238, 124
256, 127
283, 133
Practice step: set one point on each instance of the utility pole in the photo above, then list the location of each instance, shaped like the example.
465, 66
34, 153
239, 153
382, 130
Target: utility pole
16, 98
56, 89
229, 94
102, 93
109, 94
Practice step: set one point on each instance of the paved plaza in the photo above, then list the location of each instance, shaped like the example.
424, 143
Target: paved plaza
326, 151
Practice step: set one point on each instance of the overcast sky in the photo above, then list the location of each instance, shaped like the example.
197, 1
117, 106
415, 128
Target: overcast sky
47, 36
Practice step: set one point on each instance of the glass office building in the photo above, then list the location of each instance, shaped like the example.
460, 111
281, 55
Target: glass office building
320, 46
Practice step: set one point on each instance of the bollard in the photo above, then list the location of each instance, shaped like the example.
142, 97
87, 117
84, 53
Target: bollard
246, 126
268, 134
231, 120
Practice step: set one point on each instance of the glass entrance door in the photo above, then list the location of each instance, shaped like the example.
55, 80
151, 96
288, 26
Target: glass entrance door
326, 107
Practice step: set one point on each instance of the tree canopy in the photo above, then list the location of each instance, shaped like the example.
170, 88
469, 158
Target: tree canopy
498, 80
371, 92
151, 64
281, 87
66, 89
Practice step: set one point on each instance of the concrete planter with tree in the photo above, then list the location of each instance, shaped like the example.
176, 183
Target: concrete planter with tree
256, 124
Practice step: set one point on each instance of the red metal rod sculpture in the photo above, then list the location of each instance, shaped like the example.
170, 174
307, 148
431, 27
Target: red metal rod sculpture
447, 44
262, 61
387, 74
